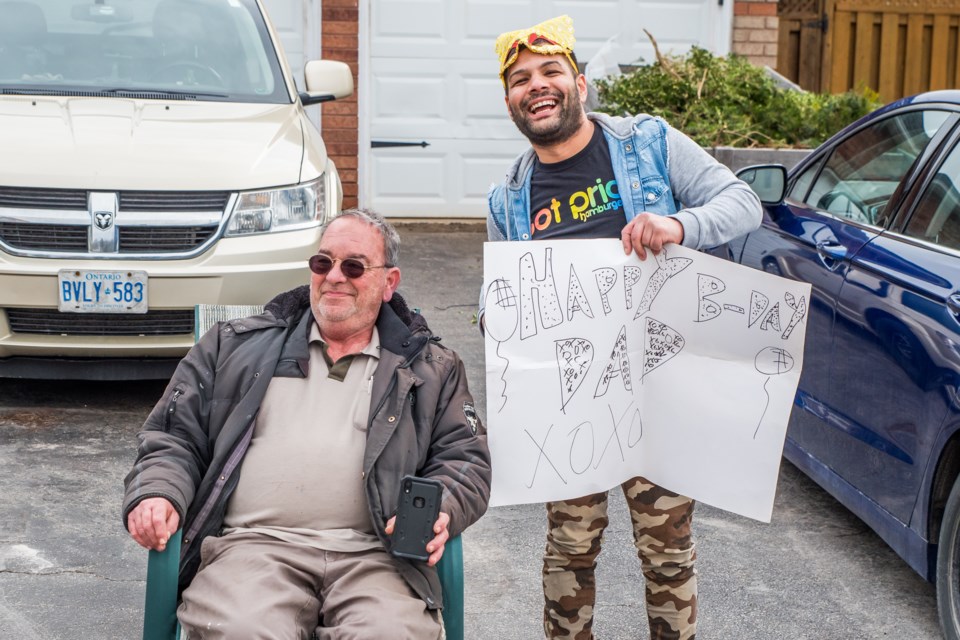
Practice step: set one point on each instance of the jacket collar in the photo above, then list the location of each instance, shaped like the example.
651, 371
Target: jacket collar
402, 331
406, 339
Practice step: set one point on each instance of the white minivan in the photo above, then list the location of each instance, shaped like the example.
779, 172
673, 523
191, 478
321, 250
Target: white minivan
154, 155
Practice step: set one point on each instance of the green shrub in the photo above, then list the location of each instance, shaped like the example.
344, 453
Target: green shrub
727, 101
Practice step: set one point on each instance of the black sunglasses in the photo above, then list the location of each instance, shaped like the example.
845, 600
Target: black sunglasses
322, 264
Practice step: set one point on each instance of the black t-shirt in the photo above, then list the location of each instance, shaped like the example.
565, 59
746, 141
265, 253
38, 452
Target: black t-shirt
577, 197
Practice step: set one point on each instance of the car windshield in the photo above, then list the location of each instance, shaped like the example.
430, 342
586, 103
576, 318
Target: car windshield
192, 49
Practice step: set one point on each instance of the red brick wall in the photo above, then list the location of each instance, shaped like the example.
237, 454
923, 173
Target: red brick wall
755, 25
338, 41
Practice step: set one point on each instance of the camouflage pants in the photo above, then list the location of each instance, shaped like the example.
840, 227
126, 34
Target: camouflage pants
661, 532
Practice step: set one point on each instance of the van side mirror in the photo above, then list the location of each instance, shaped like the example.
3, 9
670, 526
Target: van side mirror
769, 181
326, 80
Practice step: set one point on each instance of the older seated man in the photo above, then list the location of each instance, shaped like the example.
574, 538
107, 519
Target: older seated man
280, 444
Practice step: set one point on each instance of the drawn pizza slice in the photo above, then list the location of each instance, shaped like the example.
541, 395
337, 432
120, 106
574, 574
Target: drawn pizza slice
574, 357
661, 343
667, 268
758, 304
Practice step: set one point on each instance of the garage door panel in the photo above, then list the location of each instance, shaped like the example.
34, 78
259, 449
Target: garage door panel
479, 108
479, 172
402, 175
411, 96
403, 20
443, 180
466, 94
594, 22
484, 21
680, 24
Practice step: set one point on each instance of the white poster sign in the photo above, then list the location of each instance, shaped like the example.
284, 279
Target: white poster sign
681, 368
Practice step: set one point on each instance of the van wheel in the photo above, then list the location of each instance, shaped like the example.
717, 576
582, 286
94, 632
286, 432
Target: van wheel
948, 567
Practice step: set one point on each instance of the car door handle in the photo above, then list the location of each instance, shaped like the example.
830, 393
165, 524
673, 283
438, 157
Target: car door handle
953, 303
831, 254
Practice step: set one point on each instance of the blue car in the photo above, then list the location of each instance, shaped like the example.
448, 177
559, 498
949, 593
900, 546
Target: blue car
871, 219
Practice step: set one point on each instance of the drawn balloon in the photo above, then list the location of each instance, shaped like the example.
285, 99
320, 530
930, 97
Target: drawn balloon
501, 313
500, 320
771, 361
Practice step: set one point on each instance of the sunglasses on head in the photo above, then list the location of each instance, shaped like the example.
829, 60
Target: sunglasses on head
322, 264
535, 42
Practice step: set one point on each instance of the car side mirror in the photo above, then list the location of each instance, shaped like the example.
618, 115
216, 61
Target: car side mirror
326, 80
769, 181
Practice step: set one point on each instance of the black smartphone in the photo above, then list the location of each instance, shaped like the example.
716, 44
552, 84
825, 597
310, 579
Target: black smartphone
419, 507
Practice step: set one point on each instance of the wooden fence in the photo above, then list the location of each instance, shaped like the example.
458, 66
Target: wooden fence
802, 27
896, 47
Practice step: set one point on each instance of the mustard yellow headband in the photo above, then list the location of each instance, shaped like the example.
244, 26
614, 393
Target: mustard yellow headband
555, 35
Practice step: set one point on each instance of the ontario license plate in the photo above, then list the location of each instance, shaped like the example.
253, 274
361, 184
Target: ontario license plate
83, 291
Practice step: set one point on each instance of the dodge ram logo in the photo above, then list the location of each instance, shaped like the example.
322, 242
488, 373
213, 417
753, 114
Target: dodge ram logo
103, 219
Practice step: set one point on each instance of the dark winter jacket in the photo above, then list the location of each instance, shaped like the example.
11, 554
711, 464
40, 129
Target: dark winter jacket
422, 422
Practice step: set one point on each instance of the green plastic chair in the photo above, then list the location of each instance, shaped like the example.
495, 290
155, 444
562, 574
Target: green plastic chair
163, 568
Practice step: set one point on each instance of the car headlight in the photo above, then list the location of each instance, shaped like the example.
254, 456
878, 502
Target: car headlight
286, 209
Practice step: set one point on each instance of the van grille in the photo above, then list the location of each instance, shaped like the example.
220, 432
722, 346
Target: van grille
72, 199
47, 222
44, 237
53, 322
163, 239
173, 200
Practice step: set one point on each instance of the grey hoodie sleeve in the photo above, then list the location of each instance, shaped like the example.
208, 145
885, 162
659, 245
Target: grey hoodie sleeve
716, 206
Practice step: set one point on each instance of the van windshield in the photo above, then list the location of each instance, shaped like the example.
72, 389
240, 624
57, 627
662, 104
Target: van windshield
192, 49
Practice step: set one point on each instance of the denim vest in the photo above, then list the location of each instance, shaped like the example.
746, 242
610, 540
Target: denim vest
638, 153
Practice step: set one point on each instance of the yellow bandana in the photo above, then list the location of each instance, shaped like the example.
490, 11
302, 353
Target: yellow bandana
558, 33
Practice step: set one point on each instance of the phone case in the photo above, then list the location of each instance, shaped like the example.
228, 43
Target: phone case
419, 507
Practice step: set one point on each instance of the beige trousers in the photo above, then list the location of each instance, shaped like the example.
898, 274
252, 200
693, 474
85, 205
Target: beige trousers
253, 586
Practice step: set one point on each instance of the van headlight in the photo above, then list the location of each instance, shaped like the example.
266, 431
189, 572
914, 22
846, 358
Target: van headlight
285, 209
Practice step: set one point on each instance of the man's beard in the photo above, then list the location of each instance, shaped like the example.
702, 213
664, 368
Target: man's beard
560, 130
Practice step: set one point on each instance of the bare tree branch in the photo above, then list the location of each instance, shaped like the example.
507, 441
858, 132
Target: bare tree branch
665, 63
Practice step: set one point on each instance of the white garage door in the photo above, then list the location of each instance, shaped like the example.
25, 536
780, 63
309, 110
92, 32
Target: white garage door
435, 132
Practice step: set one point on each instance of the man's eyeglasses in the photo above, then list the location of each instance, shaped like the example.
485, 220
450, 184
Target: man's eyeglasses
322, 264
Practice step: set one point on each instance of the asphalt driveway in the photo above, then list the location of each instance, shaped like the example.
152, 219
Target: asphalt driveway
68, 569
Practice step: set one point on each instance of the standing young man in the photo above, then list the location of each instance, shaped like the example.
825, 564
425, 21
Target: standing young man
589, 175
